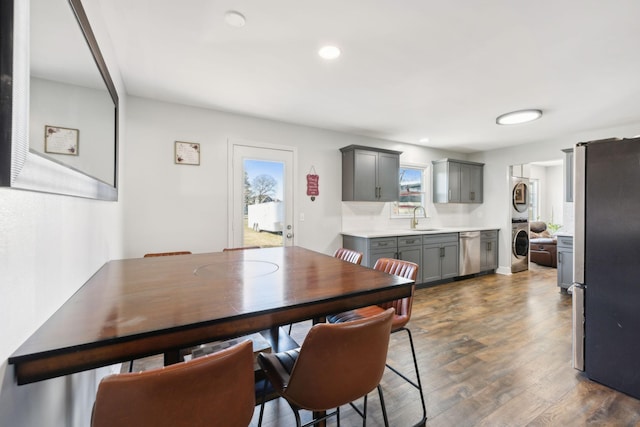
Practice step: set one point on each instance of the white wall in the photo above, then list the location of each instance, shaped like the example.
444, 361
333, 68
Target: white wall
178, 207
496, 176
52, 103
554, 195
49, 246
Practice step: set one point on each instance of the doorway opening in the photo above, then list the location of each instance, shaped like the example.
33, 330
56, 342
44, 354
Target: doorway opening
262, 196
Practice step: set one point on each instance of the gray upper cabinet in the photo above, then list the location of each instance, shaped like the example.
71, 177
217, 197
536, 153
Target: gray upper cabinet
370, 174
568, 175
457, 181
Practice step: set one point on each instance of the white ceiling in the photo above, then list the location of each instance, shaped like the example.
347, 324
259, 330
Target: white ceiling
409, 69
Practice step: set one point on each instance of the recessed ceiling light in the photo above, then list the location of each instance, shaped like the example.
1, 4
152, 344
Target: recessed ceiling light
517, 117
423, 140
235, 19
329, 52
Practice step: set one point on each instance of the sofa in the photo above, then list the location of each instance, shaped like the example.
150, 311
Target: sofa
543, 247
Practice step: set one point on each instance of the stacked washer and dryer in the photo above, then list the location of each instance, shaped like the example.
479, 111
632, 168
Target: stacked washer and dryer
519, 224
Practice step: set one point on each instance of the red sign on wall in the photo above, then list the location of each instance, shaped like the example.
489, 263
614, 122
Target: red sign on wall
312, 185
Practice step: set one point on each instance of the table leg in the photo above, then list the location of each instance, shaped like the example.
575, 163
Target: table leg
317, 320
171, 357
320, 414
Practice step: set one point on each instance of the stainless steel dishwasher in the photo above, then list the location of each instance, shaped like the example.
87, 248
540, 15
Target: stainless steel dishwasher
469, 252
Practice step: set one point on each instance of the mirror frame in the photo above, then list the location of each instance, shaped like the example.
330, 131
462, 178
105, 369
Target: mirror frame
20, 167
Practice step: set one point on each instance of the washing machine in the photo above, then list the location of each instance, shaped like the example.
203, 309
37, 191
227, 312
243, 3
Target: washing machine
519, 246
519, 199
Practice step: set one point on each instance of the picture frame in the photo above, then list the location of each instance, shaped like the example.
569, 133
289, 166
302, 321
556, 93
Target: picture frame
187, 153
520, 193
61, 140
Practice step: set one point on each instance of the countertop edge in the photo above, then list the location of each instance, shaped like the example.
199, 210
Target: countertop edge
367, 234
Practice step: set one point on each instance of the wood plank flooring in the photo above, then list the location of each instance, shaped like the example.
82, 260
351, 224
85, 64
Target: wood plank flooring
493, 351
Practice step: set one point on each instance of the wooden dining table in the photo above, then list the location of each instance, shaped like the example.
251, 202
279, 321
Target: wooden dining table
138, 307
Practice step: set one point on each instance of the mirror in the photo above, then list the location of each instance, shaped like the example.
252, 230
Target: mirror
520, 197
63, 138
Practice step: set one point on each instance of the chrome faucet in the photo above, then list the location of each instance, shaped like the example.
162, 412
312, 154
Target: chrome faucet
414, 221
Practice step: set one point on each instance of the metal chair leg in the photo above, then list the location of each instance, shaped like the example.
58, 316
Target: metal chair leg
384, 408
419, 383
264, 397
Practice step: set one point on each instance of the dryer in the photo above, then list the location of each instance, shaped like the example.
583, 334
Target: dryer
519, 246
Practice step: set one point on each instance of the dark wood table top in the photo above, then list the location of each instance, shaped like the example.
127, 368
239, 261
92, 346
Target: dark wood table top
138, 307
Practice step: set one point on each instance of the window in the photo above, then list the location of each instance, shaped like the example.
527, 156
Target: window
412, 190
534, 200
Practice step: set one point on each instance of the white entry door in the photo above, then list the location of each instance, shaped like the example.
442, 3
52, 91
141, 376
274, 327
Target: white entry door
261, 197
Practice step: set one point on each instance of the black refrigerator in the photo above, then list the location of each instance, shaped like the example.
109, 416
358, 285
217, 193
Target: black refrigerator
606, 290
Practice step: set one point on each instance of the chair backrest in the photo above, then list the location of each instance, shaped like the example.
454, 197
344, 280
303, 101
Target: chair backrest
340, 362
167, 254
408, 270
348, 255
240, 249
214, 390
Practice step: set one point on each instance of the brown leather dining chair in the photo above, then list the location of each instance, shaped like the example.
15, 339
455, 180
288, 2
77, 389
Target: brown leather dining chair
408, 270
348, 255
336, 365
240, 248
214, 390
167, 254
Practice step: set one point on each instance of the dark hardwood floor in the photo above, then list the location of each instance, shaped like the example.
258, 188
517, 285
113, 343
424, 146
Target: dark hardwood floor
493, 351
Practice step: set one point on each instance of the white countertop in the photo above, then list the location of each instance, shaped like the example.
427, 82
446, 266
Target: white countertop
368, 234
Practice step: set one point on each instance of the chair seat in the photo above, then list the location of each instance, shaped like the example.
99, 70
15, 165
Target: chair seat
398, 322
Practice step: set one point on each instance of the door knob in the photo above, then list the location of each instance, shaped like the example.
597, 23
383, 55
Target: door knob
289, 235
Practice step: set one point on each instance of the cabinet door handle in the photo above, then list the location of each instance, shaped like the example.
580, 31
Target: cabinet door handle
449, 194
441, 252
560, 257
383, 244
488, 246
472, 195
399, 255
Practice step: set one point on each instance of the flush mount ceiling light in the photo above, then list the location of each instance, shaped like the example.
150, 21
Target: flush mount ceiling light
235, 19
423, 140
517, 117
329, 52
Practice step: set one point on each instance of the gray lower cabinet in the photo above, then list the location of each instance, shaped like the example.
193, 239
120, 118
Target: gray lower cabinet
437, 255
372, 249
410, 249
489, 250
565, 261
440, 256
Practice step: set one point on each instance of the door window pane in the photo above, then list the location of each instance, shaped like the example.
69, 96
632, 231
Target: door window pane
263, 203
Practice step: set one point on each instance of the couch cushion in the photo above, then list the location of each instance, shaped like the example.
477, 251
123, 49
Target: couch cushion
538, 226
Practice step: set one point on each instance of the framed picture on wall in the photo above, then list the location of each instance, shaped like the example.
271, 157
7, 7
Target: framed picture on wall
187, 153
59, 140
